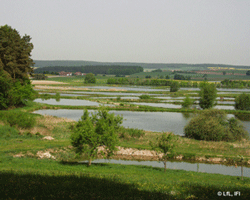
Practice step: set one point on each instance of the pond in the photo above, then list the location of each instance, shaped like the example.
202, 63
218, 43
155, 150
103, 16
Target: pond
196, 167
149, 121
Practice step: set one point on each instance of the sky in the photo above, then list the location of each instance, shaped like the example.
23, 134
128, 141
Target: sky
148, 31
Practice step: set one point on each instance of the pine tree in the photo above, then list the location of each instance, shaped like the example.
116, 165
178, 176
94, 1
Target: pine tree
15, 52
15, 64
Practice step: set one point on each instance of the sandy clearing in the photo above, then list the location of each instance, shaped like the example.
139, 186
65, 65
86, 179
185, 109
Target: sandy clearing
43, 82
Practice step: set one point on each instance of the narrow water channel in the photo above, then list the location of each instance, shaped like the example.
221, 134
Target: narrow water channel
196, 167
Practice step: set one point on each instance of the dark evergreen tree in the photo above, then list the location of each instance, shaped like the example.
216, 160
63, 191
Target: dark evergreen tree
15, 64
15, 52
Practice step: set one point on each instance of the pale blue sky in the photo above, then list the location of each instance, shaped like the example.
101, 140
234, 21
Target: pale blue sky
155, 31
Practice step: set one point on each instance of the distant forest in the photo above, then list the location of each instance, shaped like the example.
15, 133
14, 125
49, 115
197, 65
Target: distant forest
99, 69
167, 66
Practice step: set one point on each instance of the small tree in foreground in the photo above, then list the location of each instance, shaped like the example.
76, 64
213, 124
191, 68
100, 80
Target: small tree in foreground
165, 144
90, 132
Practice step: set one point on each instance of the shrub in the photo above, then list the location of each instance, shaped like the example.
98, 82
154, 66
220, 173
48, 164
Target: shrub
208, 94
7, 132
18, 118
39, 77
212, 125
174, 87
242, 102
145, 96
187, 102
118, 98
127, 133
58, 96
90, 78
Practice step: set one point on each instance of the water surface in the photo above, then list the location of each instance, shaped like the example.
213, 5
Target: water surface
197, 167
149, 121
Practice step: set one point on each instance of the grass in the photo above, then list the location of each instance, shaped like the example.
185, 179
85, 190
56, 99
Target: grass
29, 178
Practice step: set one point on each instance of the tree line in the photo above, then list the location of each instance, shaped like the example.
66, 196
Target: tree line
153, 82
98, 69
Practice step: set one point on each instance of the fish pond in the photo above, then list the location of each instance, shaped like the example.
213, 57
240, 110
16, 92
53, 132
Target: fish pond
149, 121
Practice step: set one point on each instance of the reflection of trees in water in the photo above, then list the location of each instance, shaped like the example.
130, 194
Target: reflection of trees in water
243, 117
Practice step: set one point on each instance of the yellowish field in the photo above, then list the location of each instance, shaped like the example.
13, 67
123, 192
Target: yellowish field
43, 82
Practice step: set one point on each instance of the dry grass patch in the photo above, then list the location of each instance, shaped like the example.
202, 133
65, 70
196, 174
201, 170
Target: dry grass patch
42, 130
243, 144
43, 82
51, 121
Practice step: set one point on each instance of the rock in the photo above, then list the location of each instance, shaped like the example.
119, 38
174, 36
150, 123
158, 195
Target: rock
48, 138
45, 154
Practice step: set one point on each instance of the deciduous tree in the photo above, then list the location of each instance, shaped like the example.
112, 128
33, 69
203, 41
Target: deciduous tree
208, 94
90, 78
165, 144
90, 132
242, 102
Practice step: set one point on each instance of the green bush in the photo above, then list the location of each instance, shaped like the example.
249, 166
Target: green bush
145, 96
18, 118
39, 77
187, 102
208, 94
118, 98
242, 102
212, 125
127, 133
175, 86
7, 132
90, 78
